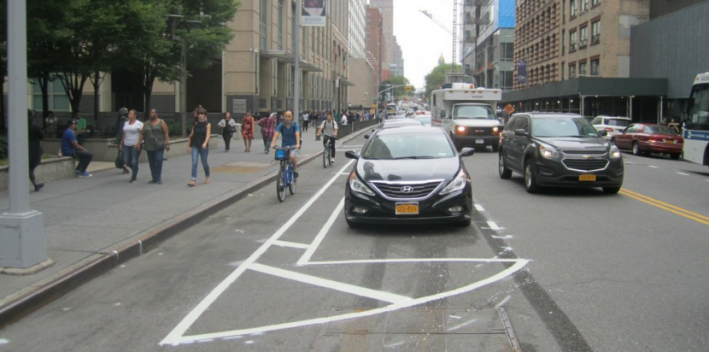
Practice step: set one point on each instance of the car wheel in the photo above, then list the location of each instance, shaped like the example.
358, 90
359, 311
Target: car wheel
636, 148
611, 190
505, 173
496, 147
674, 156
530, 177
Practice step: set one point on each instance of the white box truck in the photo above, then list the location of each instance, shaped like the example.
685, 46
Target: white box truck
468, 114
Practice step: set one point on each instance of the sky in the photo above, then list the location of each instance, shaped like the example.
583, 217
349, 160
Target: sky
422, 40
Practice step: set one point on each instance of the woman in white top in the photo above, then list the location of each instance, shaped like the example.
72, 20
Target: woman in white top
228, 126
129, 143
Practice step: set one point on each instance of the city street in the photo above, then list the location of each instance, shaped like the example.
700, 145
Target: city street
572, 270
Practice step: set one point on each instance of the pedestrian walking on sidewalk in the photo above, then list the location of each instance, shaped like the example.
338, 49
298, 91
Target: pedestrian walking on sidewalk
122, 118
228, 126
199, 145
247, 130
129, 143
35, 149
70, 147
155, 137
306, 121
268, 128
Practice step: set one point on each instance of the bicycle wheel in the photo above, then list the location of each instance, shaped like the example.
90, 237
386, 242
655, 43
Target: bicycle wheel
292, 184
326, 158
280, 185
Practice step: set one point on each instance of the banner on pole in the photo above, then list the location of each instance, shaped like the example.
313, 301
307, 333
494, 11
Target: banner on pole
314, 13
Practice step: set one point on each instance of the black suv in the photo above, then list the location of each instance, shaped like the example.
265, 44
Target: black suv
559, 150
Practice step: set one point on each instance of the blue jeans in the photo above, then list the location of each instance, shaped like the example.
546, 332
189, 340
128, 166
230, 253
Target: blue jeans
131, 157
196, 154
155, 159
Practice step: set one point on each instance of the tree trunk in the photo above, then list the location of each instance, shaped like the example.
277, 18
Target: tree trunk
96, 84
3, 128
44, 87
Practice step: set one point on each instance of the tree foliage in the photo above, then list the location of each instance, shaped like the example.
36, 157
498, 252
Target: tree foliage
398, 81
437, 76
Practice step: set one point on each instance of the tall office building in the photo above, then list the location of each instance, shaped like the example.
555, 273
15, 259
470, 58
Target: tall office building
386, 9
358, 20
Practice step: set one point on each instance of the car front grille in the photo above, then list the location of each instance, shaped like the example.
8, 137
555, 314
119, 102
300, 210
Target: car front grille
478, 131
585, 164
587, 152
407, 190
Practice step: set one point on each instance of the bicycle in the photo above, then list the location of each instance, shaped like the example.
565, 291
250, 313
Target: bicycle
286, 176
326, 157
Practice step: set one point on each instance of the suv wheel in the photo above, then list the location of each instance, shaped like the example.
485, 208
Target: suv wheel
505, 173
530, 177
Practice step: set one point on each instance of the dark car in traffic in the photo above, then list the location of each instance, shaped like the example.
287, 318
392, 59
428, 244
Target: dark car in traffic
646, 138
408, 175
559, 150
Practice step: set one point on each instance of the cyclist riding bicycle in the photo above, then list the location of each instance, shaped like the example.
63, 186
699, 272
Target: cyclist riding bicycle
328, 129
290, 132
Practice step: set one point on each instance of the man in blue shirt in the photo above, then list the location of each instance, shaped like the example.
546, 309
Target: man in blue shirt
70, 147
291, 137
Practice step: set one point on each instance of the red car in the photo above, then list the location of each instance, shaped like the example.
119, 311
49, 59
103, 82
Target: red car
646, 138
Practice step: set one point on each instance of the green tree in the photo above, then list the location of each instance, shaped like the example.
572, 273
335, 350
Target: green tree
437, 76
398, 81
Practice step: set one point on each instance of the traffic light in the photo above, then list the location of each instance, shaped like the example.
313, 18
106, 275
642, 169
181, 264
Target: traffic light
408, 89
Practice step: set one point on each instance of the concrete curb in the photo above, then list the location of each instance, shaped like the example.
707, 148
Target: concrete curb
63, 282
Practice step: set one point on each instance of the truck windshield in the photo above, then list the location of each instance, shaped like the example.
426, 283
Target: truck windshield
473, 112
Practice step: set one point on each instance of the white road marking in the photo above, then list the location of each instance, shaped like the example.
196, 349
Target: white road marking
479, 207
493, 225
682, 173
333, 285
654, 167
504, 300
344, 174
175, 336
321, 235
416, 260
461, 325
520, 263
291, 244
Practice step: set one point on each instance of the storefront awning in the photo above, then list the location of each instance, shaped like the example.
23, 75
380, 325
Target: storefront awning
591, 86
345, 82
287, 58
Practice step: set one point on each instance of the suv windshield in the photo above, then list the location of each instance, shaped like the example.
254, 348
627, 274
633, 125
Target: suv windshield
473, 112
408, 146
563, 127
618, 122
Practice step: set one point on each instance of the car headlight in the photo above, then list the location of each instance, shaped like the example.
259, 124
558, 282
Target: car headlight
548, 151
615, 152
460, 129
495, 130
457, 184
358, 186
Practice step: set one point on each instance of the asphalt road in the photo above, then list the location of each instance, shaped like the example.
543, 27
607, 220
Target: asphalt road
573, 270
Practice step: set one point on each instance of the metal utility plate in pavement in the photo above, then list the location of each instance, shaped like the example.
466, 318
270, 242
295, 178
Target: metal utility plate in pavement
421, 329
240, 168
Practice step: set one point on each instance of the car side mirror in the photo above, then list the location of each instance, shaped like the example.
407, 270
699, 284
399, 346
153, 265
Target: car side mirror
467, 152
366, 136
521, 132
351, 154
603, 133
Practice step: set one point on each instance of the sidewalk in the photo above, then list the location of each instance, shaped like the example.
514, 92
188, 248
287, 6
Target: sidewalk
93, 224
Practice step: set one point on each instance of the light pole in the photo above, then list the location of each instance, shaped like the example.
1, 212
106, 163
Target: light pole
296, 48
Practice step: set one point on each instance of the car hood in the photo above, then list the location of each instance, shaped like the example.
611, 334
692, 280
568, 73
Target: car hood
567, 143
408, 169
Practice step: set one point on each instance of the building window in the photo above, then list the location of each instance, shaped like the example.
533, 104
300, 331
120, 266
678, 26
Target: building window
582, 69
280, 24
57, 99
572, 9
595, 3
572, 70
263, 24
595, 67
572, 41
595, 32
583, 40
584, 5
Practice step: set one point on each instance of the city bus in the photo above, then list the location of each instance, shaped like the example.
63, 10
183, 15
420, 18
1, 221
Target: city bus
696, 125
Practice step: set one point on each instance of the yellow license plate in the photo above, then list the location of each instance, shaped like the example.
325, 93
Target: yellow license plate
407, 209
591, 178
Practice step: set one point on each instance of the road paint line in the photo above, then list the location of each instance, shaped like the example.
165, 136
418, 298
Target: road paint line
682, 173
461, 325
479, 207
521, 263
321, 235
493, 225
333, 285
653, 166
344, 174
174, 337
699, 218
504, 300
291, 244
665, 204
416, 260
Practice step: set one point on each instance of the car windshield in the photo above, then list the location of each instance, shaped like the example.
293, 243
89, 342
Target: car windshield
474, 112
619, 123
658, 130
563, 127
408, 146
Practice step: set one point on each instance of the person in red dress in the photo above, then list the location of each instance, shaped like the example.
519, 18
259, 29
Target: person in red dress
247, 130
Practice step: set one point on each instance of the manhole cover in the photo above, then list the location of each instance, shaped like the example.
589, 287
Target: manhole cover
421, 329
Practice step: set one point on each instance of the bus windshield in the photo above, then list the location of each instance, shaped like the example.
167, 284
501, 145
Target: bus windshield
699, 107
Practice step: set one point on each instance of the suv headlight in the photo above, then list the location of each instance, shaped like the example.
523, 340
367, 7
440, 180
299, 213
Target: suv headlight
548, 151
358, 186
615, 152
457, 184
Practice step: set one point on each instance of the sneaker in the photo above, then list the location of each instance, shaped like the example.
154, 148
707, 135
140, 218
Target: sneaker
85, 174
78, 172
38, 186
132, 181
153, 181
160, 182
333, 160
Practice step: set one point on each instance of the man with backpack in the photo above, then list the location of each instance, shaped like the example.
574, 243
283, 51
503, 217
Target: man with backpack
328, 128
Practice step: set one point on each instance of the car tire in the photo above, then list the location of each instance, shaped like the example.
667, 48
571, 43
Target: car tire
496, 147
675, 156
505, 173
611, 190
530, 177
636, 148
